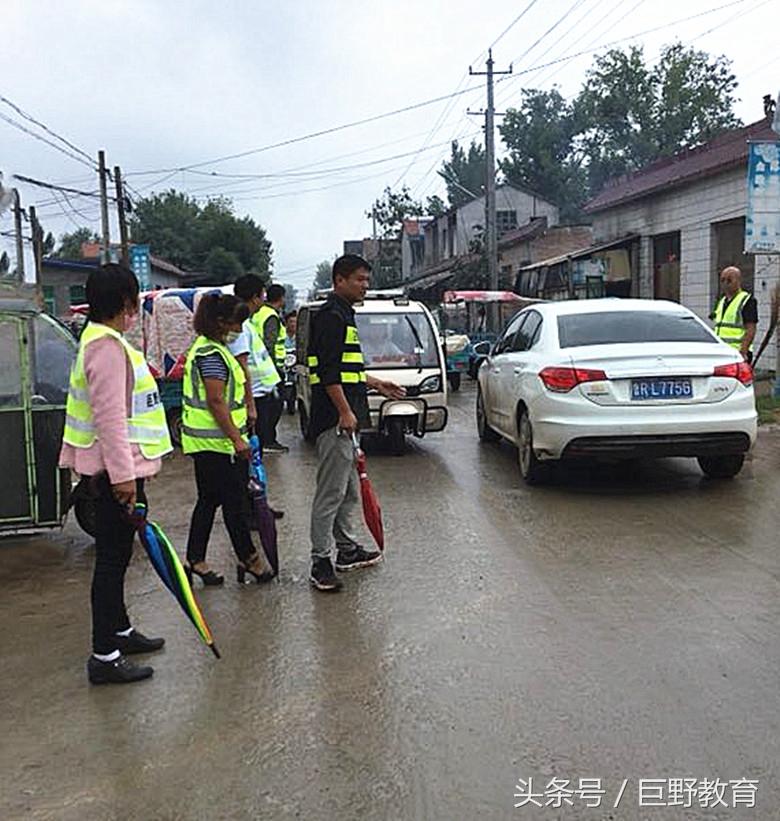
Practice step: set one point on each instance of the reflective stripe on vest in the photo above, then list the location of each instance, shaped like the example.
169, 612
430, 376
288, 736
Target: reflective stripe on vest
259, 320
200, 430
352, 363
146, 424
729, 325
260, 365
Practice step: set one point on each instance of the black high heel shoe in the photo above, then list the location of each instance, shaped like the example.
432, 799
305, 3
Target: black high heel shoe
209, 578
242, 569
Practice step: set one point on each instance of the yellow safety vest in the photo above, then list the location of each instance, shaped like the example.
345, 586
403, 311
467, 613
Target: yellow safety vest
259, 362
146, 426
729, 325
352, 365
200, 430
259, 320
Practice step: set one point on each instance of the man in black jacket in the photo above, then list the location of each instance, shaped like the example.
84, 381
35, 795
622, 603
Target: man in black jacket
339, 409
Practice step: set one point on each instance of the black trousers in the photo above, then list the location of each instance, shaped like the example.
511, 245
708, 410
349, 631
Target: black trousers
269, 412
222, 482
113, 549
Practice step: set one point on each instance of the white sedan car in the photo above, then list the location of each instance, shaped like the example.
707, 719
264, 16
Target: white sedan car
617, 378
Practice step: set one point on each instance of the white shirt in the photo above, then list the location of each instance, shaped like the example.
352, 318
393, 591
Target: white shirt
243, 346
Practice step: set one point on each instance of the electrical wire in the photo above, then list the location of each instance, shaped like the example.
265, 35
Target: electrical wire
16, 124
513, 23
48, 130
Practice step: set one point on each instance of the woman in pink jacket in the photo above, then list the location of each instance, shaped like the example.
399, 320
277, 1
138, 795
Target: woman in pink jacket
115, 435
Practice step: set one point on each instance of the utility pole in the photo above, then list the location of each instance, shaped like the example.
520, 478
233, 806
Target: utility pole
37, 243
105, 250
19, 238
491, 235
120, 209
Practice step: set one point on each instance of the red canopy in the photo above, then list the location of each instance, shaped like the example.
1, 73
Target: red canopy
481, 296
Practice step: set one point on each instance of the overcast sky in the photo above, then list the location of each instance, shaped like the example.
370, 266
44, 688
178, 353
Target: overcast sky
163, 84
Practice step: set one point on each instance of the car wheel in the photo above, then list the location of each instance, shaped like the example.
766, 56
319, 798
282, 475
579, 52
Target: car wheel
722, 467
531, 469
486, 433
396, 436
454, 380
303, 419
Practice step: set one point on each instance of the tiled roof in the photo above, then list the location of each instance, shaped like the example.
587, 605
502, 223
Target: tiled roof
531, 229
722, 152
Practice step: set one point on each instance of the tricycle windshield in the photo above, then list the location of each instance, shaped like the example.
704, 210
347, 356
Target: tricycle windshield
397, 340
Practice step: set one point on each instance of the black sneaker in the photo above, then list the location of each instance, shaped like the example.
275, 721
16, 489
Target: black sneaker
275, 447
137, 643
118, 671
356, 558
323, 577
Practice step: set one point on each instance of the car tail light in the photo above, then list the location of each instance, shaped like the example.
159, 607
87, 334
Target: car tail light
740, 371
562, 380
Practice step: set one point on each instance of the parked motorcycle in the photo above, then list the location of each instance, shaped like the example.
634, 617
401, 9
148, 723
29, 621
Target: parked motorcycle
288, 385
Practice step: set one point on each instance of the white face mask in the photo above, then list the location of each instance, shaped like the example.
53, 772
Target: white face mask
232, 336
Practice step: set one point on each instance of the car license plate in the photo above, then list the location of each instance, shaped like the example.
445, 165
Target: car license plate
646, 389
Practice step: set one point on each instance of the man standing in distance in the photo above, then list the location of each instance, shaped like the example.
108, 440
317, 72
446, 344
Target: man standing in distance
339, 408
268, 323
736, 314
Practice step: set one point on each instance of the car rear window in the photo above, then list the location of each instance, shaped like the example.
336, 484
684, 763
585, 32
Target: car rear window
614, 327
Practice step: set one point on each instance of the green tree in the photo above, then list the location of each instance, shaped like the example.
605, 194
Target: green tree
222, 265
49, 244
635, 113
210, 238
627, 114
435, 206
168, 223
464, 173
540, 135
217, 226
392, 209
322, 276
70, 244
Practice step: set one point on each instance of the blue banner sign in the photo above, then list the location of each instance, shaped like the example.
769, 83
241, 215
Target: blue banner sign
762, 224
140, 262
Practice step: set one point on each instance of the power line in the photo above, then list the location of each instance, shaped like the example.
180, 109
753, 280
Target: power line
54, 187
631, 10
677, 22
513, 23
574, 6
16, 124
48, 130
418, 105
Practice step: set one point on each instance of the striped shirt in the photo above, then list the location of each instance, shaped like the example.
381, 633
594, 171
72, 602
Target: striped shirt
212, 366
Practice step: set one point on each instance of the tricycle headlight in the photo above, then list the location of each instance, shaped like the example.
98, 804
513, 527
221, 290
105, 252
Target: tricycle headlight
431, 385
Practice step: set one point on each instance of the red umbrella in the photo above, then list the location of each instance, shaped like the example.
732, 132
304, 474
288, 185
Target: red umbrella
372, 512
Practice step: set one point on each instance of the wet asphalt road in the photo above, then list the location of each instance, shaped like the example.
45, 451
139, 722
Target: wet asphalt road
620, 624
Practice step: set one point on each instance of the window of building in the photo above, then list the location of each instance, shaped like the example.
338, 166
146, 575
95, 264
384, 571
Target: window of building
666, 266
48, 299
506, 221
729, 249
77, 295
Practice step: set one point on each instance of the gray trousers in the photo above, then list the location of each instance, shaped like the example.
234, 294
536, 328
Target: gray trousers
336, 506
